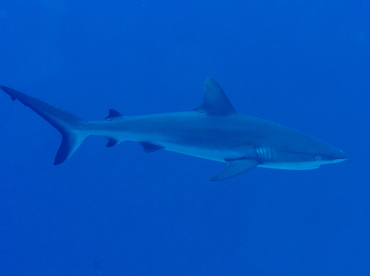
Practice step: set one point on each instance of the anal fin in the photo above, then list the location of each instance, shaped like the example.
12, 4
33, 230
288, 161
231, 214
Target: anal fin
235, 167
149, 147
112, 142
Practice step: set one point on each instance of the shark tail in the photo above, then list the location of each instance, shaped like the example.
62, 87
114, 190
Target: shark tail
73, 129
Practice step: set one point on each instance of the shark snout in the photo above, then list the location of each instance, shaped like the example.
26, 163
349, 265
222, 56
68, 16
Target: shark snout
339, 156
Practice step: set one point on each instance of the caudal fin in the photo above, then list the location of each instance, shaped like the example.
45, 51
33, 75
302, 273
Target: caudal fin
73, 129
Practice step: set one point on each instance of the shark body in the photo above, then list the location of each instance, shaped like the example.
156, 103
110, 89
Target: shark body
214, 131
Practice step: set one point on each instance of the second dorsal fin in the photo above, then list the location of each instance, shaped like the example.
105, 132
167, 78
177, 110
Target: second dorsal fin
113, 114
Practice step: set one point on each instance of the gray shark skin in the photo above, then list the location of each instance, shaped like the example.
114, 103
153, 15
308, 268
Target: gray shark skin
213, 131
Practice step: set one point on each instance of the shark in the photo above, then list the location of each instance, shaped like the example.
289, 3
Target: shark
213, 131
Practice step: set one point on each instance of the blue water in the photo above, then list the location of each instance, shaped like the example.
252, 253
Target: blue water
118, 211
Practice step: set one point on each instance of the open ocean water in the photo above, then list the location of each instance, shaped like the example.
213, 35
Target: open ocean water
118, 211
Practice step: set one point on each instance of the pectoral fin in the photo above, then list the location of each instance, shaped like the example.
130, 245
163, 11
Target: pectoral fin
235, 167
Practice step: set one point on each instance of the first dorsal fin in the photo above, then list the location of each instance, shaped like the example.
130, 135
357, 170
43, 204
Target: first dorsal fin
215, 100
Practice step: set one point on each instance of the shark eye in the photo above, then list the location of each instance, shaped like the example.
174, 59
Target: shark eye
318, 157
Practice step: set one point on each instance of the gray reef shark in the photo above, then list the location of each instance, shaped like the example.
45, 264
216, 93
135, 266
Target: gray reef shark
213, 131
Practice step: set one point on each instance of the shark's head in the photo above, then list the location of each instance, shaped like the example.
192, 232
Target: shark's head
303, 154
332, 155
313, 160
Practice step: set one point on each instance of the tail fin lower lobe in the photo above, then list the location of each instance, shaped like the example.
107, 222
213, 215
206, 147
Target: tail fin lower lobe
72, 128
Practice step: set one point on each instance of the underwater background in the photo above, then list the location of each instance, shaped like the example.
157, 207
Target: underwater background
119, 211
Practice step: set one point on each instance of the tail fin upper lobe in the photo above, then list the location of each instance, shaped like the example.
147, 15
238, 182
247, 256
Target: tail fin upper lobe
72, 128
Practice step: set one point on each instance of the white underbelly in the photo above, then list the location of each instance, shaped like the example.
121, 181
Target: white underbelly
205, 153
289, 166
